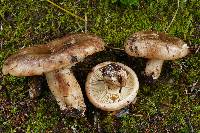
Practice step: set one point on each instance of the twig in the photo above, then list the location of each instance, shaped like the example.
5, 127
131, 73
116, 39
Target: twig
86, 19
189, 124
173, 17
1, 44
86, 30
197, 50
194, 49
1, 41
72, 14
121, 49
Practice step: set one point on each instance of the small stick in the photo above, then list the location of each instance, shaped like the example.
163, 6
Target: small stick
194, 49
96, 82
1, 44
189, 125
121, 49
72, 14
86, 19
86, 30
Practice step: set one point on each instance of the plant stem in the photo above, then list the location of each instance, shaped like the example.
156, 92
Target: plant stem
72, 14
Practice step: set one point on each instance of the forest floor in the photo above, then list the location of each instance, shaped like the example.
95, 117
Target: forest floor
168, 104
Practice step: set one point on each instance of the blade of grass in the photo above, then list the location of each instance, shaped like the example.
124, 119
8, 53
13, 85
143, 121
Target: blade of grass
173, 17
72, 14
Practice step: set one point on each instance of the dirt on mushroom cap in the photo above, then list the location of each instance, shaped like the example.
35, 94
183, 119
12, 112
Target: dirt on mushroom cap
63, 52
106, 98
114, 75
157, 45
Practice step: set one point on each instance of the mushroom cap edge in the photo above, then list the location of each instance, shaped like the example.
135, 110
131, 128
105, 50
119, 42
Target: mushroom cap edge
117, 105
29, 62
155, 45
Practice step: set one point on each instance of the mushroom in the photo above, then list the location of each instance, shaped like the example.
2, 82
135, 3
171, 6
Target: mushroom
55, 60
157, 47
111, 86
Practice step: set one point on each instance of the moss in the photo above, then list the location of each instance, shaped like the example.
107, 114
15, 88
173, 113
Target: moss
169, 104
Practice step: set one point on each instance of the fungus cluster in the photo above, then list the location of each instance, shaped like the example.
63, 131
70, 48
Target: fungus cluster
110, 86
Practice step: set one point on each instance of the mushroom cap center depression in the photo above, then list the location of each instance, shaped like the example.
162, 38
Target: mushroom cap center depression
105, 87
114, 75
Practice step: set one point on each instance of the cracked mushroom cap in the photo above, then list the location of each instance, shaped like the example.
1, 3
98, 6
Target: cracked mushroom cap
155, 45
103, 89
62, 52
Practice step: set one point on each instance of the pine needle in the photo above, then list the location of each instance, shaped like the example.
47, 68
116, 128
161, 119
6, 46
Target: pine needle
86, 24
72, 14
173, 17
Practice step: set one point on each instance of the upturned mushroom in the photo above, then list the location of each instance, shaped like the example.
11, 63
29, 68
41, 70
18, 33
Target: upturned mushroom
55, 59
111, 86
157, 47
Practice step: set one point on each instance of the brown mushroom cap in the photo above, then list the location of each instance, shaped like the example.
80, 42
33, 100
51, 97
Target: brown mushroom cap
155, 45
103, 96
63, 52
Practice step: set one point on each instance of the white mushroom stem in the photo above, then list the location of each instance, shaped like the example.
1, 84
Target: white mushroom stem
66, 90
153, 68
